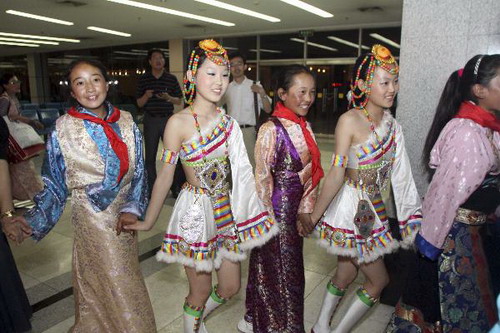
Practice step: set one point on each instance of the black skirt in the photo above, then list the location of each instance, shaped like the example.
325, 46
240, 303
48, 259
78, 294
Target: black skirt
15, 309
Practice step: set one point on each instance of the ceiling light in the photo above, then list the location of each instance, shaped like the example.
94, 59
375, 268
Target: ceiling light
265, 50
346, 42
385, 40
18, 44
130, 53
314, 44
108, 31
38, 17
308, 7
140, 51
57, 39
27, 41
240, 10
172, 12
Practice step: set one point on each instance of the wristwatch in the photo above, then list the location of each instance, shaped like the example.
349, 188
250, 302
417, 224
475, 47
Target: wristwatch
8, 213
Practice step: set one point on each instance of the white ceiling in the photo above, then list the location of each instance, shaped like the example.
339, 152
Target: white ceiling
148, 26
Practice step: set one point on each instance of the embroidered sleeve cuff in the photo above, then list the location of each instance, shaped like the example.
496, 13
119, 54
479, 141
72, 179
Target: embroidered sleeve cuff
169, 156
426, 248
132, 208
339, 161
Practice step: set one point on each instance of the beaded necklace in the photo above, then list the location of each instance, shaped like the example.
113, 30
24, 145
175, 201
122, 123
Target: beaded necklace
202, 140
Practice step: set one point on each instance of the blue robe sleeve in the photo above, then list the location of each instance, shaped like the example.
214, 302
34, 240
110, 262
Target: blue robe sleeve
51, 200
137, 198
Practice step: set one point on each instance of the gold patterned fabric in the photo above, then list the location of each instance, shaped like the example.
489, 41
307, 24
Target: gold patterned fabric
110, 294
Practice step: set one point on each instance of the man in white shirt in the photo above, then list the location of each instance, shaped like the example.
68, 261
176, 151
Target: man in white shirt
239, 100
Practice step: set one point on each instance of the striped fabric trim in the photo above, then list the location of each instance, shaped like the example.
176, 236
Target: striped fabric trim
410, 226
223, 215
346, 239
363, 295
256, 227
169, 156
339, 161
212, 141
369, 159
371, 147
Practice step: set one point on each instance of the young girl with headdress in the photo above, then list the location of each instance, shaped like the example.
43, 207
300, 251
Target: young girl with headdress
369, 154
448, 287
217, 215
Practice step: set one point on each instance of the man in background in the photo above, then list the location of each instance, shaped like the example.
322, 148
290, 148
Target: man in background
239, 100
157, 92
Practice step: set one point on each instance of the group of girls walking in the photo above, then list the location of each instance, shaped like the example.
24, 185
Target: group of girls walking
225, 212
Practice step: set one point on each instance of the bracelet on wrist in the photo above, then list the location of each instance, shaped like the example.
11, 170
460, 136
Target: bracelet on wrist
8, 213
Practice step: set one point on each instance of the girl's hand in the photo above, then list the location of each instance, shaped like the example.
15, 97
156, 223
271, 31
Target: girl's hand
138, 226
123, 220
16, 228
307, 223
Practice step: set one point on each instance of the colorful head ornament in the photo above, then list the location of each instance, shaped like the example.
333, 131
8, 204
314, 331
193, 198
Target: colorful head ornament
380, 56
214, 52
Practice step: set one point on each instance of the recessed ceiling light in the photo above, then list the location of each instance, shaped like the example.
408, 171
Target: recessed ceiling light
172, 12
20, 40
385, 40
38, 17
346, 42
19, 44
240, 10
130, 53
109, 31
57, 39
265, 50
321, 46
307, 7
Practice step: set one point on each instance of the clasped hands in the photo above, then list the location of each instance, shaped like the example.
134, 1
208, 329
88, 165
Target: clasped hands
128, 222
305, 224
16, 228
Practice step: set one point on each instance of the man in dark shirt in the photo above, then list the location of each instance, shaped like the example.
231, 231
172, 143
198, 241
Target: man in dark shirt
157, 91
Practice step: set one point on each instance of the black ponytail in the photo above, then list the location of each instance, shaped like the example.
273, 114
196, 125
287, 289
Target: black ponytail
478, 70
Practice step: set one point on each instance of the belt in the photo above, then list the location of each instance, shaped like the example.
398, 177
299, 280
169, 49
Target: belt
246, 126
471, 217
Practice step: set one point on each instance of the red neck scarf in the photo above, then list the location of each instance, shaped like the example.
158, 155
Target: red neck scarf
118, 146
468, 110
282, 111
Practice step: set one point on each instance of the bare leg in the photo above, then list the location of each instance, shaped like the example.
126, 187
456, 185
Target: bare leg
376, 277
229, 279
346, 272
228, 276
200, 286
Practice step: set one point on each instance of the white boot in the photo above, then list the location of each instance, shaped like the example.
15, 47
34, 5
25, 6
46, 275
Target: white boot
192, 318
244, 326
359, 307
214, 301
332, 298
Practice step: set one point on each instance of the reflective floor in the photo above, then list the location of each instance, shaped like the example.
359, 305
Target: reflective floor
45, 269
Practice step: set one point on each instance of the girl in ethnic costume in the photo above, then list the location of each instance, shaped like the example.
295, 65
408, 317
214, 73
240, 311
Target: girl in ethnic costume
95, 155
449, 286
369, 154
217, 215
287, 173
24, 178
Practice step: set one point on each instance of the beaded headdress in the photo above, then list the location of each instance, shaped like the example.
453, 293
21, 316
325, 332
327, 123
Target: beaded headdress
379, 56
213, 51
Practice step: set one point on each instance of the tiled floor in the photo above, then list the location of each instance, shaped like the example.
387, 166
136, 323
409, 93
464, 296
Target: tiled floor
46, 271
